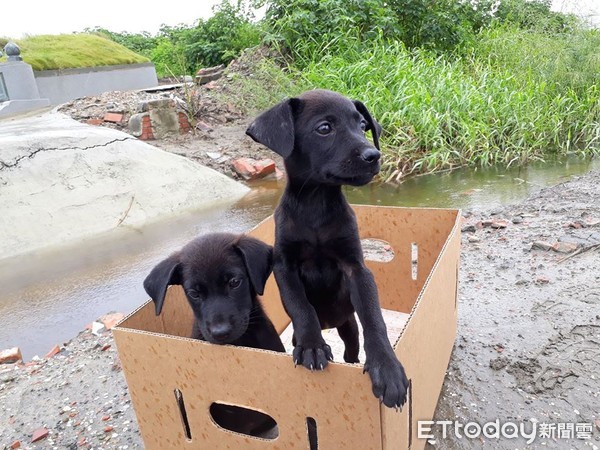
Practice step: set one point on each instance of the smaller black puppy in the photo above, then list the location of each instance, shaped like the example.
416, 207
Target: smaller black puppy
221, 274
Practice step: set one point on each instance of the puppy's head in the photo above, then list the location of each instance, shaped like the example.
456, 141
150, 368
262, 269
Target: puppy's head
321, 136
221, 274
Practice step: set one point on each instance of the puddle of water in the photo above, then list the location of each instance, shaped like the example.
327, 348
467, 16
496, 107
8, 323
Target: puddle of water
469, 188
48, 298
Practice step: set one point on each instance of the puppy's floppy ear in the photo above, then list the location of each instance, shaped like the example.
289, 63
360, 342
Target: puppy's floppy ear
164, 274
258, 259
275, 127
371, 123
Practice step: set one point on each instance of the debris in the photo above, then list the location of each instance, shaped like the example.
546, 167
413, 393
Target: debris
541, 245
113, 117
10, 355
98, 328
54, 351
499, 223
564, 247
39, 434
250, 169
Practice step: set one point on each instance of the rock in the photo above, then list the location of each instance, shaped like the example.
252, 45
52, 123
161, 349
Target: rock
487, 223
542, 280
214, 155
517, 219
209, 74
474, 239
541, 245
98, 328
54, 351
39, 434
499, 363
111, 319
10, 355
469, 229
499, 223
564, 247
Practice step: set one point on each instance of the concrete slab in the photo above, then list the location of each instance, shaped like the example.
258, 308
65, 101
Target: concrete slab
62, 181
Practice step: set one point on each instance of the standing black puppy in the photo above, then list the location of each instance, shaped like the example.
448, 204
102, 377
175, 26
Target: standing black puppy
318, 259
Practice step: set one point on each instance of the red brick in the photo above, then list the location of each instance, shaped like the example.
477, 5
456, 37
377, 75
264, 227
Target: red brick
108, 429
265, 167
113, 117
244, 168
16, 444
54, 351
94, 121
10, 355
110, 320
39, 434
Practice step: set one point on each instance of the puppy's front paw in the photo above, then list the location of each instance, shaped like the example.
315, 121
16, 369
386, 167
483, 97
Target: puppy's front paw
313, 357
390, 384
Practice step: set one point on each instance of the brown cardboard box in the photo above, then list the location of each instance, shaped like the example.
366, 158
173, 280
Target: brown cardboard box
158, 358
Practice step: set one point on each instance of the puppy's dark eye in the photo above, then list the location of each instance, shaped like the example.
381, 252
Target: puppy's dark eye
234, 283
363, 125
324, 129
193, 294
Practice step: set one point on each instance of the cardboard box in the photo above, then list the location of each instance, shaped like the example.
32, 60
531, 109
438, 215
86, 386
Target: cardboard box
159, 359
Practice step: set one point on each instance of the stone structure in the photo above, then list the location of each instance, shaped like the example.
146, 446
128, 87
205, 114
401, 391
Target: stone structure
157, 119
18, 88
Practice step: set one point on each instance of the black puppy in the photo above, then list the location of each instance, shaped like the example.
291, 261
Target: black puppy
318, 259
221, 275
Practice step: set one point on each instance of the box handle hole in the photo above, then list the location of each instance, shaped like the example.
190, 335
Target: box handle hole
377, 250
244, 420
311, 430
183, 414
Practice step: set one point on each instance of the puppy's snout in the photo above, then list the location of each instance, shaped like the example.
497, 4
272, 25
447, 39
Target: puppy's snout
370, 155
220, 331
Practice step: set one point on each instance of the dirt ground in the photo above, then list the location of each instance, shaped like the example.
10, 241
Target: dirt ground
528, 343
527, 350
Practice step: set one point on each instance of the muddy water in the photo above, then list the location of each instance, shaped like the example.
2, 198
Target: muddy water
48, 298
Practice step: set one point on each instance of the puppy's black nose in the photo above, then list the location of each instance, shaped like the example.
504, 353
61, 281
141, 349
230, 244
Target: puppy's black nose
220, 331
370, 155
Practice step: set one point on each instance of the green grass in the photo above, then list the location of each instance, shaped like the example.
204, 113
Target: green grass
517, 97
64, 51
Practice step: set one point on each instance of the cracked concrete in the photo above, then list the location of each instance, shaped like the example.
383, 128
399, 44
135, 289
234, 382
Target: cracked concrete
62, 181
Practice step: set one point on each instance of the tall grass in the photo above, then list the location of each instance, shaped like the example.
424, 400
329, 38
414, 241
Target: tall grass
519, 96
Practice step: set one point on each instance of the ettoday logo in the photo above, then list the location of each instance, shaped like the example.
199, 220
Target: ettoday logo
507, 430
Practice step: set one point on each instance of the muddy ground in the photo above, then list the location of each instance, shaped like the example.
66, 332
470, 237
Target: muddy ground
527, 351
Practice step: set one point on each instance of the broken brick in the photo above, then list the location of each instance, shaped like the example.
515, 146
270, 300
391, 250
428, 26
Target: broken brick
113, 117
110, 320
16, 444
94, 121
108, 429
10, 355
250, 169
54, 351
564, 247
39, 434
